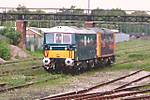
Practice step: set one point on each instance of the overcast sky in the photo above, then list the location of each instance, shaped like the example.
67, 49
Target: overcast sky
103, 4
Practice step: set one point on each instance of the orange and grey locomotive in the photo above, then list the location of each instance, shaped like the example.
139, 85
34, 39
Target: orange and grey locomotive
77, 49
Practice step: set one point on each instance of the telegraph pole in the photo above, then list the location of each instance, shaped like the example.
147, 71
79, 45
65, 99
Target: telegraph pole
88, 23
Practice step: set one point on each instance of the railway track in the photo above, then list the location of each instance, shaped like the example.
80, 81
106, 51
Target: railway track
10, 68
4, 73
18, 61
118, 95
143, 97
25, 85
92, 95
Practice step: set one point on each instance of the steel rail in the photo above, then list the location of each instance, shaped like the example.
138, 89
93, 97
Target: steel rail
112, 81
24, 85
143, 97
112, 91
18, 61
134, 81
4, 73
86, 96
92, 88
118, 95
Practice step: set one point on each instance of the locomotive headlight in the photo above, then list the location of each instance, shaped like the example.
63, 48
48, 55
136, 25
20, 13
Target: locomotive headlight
65, 48
46, 61
50, 48
69, 62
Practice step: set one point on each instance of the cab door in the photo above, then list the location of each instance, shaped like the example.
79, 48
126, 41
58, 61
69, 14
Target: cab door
98, 46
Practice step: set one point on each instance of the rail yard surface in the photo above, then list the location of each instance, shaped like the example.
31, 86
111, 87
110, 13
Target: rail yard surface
127, 79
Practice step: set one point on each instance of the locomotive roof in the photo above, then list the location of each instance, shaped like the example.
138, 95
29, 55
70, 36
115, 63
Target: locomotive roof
74, 29
102, 30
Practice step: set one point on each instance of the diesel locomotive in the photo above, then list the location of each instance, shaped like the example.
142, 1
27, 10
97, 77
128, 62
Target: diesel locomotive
73, 49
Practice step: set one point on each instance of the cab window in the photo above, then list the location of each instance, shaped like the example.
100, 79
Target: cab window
58, 38
67, 38
49, 38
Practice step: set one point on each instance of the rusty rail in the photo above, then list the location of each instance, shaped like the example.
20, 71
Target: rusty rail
25, 85
143, 97
118, 95
18, 61
86, 96
4, 73
134, 81
91, 88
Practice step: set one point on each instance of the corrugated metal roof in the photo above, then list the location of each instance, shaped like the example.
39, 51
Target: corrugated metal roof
35, 30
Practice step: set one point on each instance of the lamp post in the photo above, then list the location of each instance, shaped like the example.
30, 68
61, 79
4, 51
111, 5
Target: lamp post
88, 6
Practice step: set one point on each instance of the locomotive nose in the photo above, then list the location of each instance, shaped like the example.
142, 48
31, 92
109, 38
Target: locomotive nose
46, 61
69, 62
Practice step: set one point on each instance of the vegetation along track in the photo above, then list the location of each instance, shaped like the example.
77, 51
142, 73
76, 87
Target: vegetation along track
4, 73
2, 90
79, 94
131, 48
19, 66
18, 61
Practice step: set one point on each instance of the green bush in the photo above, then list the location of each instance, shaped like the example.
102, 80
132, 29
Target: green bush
4, 50
10, 33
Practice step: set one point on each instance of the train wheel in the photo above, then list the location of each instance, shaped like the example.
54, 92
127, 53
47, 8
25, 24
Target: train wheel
92, 64
84, 66
104, 62
110, 61
88, 66
75, 70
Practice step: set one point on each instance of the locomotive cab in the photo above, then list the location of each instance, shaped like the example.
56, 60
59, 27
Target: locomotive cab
59, 49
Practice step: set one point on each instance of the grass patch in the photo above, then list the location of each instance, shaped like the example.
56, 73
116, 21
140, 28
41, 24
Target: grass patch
136, 56
38, 53
136, 53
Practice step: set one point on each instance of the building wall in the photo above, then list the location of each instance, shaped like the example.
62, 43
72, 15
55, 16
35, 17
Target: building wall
121, 37
21, 28
33, 40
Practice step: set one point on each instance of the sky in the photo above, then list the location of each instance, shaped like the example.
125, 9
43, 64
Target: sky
102, 4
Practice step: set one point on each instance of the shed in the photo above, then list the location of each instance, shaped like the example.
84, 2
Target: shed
34, 38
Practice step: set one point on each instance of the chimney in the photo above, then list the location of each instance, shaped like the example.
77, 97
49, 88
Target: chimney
89, 24
21, 28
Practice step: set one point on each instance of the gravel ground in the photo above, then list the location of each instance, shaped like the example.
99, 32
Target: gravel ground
75, 83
